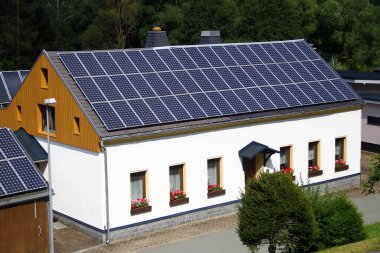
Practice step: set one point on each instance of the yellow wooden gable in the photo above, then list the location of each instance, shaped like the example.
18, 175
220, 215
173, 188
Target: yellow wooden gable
72, 126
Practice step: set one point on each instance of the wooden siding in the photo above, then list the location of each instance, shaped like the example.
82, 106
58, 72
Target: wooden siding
32, 93
24, 228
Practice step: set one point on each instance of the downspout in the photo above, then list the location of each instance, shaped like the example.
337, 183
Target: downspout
104, 150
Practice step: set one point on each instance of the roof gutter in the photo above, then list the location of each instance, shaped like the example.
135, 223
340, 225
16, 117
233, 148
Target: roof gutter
104, 150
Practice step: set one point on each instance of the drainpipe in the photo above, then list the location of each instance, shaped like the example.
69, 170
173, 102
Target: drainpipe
104, 150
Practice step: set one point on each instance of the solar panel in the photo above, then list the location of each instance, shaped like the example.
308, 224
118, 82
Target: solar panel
197, 57
18, 173
123, 62
141, 87
91, 64
139, 61
109, 65
184, 58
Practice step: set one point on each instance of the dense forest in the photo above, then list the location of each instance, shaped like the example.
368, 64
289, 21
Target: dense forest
345, 32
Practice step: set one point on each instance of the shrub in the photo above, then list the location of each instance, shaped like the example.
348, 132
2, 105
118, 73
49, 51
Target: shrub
339, 221
275, 209
373, 176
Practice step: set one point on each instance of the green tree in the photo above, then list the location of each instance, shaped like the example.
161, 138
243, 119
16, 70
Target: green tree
204, 15
277, 19
374, 175
339, 221
276, 209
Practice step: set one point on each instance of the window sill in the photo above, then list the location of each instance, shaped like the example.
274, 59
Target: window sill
315, 173
178, 202
216, 193
52, 134
140, 210
341, 168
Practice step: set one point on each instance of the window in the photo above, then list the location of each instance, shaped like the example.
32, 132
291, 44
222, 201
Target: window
76, 125
44, 78
138, 187
339, 148
18, 113
285, 157
176, 178
373, 121
51, 114
213, 172
313, 153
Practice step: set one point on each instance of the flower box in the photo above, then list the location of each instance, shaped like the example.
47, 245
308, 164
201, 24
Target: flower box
139, 210
216, 193
314, 173
341, 168
178, 202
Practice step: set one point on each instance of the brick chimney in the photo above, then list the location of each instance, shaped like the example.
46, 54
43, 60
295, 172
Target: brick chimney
210, 37
156, 38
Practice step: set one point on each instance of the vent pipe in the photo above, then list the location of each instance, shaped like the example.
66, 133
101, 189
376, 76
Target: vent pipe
210, 37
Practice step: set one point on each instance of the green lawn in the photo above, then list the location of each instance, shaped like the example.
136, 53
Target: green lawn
371, 244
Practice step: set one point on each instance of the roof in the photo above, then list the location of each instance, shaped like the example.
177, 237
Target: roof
10, 83
31, 145
18, 173
357, 76
135, 91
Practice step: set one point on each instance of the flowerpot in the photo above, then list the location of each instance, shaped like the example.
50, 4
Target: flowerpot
139, 210
341, 168
315, 173
178, 202
216, 193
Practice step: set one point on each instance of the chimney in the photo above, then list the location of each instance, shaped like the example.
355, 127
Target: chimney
156, 38
210, 37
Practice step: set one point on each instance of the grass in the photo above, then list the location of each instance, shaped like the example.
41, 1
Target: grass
371, 244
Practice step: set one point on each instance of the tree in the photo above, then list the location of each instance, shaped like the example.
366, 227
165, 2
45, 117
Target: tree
276, 209
277, 19
339, 221
374, 175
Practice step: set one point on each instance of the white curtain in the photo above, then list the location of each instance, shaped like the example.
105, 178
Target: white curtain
175, 178
137, 186
337, 149
283, 158
212, 172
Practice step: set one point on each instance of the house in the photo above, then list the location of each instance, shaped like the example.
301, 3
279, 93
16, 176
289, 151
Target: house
184, 127
23, 199
367, 85
10, 82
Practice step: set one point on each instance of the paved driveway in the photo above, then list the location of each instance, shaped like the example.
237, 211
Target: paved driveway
227, 241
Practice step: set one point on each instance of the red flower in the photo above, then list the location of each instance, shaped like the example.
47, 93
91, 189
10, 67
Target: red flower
287, 170
340, 162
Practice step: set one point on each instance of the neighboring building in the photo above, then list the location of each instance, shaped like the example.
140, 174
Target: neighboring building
10, 82
141, 123
23, 199
367, 85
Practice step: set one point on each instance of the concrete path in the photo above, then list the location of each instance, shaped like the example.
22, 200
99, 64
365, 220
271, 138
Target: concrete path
369, 206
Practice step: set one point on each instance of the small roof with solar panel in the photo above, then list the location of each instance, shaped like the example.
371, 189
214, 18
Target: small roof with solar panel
18, 173
154, 88
10, 83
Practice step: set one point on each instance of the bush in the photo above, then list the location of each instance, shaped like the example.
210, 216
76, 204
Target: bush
339, 221
276, 209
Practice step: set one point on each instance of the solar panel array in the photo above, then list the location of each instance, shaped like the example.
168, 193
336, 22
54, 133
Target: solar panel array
17, 172
10, 83
131, 88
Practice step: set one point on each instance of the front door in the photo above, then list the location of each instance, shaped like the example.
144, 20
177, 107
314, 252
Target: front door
250, 169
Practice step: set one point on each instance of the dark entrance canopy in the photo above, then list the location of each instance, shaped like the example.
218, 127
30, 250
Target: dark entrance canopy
254, 148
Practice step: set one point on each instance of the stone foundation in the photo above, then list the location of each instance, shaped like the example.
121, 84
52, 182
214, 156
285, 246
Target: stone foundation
161, 223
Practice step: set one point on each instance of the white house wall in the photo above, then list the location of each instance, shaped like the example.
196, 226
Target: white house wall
78, 183
193, 150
